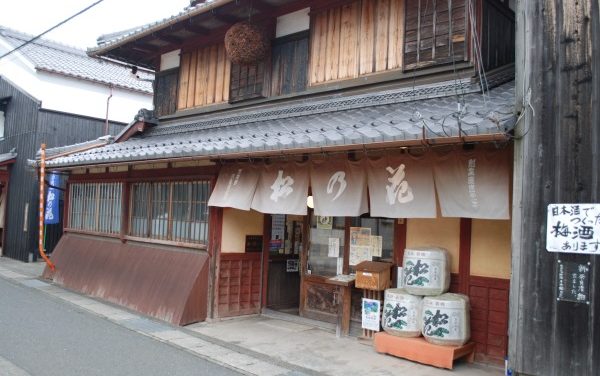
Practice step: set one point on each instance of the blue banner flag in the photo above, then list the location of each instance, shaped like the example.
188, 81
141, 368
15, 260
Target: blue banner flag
51, 214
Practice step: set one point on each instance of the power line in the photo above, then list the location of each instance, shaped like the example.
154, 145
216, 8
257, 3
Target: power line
52, 28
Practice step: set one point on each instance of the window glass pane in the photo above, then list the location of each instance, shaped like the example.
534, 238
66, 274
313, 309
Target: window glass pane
140, 196
96, 207
383, 227
322, 229
160, 210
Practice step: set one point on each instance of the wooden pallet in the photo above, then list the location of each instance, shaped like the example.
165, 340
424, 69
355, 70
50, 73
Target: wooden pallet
419, 350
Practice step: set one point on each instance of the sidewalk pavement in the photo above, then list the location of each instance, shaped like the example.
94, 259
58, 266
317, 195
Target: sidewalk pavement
253, 345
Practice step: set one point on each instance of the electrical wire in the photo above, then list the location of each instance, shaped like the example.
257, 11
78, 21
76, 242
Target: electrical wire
50, 29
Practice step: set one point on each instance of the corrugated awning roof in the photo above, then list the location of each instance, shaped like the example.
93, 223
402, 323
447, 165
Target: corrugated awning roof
429, 114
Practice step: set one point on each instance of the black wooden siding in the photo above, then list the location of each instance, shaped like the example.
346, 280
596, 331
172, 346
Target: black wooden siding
165, 92
497, 35
26, 127
289, 64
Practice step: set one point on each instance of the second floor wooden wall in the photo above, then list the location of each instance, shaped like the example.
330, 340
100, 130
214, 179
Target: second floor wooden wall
345, 41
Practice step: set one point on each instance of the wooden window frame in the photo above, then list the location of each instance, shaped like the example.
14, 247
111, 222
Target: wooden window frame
148, 237
96, 187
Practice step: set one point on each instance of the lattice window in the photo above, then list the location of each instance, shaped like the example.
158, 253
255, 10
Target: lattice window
173, 211
96, 207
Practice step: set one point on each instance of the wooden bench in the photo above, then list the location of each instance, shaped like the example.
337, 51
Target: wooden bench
419, 350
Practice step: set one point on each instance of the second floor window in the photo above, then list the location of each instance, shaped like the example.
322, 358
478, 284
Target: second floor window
172, 211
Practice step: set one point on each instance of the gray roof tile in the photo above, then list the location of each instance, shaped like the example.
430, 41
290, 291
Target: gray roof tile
281, 128
69, 61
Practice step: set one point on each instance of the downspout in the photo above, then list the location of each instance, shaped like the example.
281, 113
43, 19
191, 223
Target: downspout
107, 107
41, 211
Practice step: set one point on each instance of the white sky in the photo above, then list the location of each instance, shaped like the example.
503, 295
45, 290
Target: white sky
36, 16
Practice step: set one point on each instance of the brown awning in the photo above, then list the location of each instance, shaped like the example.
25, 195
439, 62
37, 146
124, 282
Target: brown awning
473, 184
235, 187
282, 189
401, 187
339, 188
469, 184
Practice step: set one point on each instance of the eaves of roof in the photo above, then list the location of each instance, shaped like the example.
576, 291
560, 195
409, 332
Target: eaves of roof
156, 26
432, 114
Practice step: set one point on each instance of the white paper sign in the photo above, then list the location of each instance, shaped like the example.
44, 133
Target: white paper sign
359, 254
376, 245
340, 266
573, 228
371, 314
334, 247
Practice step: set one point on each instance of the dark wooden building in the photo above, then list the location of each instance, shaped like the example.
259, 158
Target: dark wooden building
346, 84
57, 95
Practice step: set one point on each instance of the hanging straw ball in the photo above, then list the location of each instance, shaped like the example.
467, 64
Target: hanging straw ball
246, 43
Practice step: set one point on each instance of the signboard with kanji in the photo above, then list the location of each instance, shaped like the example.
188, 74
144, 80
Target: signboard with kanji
573, 282
573, 228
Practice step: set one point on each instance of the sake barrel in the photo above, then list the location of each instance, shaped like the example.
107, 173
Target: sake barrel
446, 319
426, 271
401, 313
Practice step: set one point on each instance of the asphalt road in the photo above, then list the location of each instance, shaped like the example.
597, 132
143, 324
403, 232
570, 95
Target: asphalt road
40, 335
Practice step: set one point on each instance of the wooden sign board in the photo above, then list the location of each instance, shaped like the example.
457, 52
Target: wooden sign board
573, 282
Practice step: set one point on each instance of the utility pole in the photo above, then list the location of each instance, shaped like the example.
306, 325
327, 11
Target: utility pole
556, 161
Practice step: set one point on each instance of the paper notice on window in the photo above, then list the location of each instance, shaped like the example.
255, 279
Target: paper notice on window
360, 236
376, 245
359, 254
340, 266
334, 247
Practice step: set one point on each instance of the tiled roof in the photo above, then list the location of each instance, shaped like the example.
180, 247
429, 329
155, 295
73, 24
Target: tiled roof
8, 156
106, 42
387, 116
57, 58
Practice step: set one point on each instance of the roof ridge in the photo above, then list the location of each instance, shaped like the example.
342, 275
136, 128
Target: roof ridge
44, 42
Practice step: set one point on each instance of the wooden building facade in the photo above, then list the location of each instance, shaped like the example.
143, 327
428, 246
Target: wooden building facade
26, 126
345, 82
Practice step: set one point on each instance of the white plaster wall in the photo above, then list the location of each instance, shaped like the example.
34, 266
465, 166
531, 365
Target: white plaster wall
83, 97
72, 95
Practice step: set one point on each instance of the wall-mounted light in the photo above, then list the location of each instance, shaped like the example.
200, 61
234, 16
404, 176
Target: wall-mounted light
309, 202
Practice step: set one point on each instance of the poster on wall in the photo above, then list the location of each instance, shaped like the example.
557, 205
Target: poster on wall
334, 247
359, 254
573, 228
376, 246
278, 227
324, 223
371, 314
360, 245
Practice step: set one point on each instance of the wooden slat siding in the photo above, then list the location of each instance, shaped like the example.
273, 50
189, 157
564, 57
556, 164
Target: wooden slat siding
322, 52
239, 284
204, 77
489, 317
184, 80
396, 40
212, 74
356, 39
367, 36
435, 32
349, 40
201, 78
220, 74
332, 57
192, 79
165, 93
382, 35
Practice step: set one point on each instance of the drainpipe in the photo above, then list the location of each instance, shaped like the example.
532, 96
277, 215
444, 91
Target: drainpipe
107, 107
41, 208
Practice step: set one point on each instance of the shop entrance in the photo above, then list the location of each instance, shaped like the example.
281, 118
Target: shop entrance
285, 247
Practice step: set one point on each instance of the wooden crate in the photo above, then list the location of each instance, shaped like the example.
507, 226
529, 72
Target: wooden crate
372, 275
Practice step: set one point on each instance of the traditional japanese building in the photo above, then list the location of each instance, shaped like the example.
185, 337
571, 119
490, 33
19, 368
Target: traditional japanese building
243, 197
